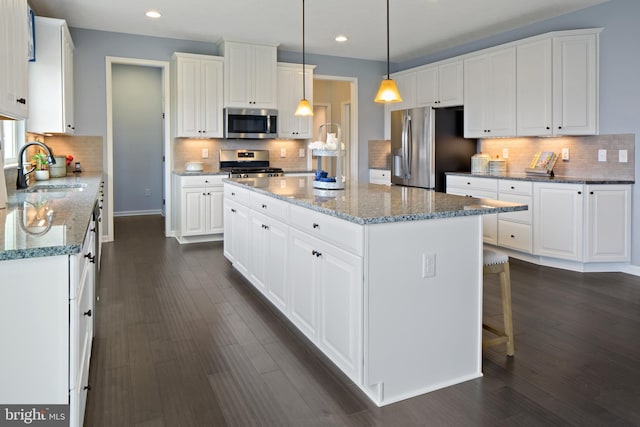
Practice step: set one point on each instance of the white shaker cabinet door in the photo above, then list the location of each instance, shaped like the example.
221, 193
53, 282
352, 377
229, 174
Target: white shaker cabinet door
303, 283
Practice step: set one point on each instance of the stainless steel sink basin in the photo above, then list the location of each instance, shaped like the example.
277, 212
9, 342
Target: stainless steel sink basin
48, 188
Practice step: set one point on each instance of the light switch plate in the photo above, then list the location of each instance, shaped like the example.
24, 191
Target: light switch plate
428, 265
602, 155
565, 154
205, 153
283, 152
505, 153
622, 156
301, 152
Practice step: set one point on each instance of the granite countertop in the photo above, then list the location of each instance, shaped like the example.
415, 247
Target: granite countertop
183, 172
544, 178
374, 204
48, 223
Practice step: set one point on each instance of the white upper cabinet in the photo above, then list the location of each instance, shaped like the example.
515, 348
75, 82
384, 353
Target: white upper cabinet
249, 75
575, 84
406, 83
289, 94
558, 85
440, 85
51, 79
535, 88
13, 59
198, 94
490, 94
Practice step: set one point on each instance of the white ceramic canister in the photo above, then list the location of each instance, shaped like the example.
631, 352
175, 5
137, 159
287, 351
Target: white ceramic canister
60, 168
480, 163
497, 166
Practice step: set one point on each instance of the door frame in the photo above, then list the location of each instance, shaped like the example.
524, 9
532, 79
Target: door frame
353, 146
165, 68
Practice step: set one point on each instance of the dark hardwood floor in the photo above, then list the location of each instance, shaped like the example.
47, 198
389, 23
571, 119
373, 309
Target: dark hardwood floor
183, 340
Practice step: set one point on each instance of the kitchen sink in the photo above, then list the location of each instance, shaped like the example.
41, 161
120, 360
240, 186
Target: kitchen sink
56, 188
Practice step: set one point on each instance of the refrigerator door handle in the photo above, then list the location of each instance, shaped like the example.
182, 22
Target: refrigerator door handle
406, 147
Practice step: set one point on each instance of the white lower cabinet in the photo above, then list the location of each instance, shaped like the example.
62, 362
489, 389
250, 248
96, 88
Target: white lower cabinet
236, 235
608, 223
558, 219
268, 257
380, 176
326, 299
482, 188
54, 335
200, 205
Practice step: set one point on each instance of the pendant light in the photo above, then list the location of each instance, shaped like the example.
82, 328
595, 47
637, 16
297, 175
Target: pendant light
304, 107
388, 91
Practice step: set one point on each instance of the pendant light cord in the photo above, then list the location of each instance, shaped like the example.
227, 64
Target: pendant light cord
304, 69
388, 50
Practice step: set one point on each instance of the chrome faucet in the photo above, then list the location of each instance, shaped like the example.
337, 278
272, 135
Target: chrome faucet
21, 180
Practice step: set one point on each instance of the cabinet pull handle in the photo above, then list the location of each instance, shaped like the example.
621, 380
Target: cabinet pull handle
316, 226
87, 387
92, 259
21, 101
233, 210
204, 194
233, 194
316, 253
93, 230
579, 192
266, 227
264, 206
87, 313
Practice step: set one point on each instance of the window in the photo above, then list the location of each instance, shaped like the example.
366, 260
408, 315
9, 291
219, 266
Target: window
12, 137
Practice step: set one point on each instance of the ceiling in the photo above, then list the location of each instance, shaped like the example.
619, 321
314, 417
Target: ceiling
418, 27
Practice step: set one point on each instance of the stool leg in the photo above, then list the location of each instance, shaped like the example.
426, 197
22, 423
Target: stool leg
505, 287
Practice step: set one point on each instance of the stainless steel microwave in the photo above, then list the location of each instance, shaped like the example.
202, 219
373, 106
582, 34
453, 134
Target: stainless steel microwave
250, 123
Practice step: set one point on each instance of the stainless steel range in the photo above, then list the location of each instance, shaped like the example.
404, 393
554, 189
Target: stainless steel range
247, 164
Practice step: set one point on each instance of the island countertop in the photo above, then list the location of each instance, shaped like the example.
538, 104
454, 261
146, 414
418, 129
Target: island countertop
558, 179
372, 203
50, 223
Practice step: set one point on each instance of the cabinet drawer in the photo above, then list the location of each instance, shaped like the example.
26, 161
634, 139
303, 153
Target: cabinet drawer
201, 180
239, 195
515, 236
509, 186
336, 231
379, 176
269, 206
487, 184
519, 216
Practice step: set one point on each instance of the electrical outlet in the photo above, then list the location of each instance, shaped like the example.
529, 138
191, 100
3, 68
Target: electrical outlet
301, 152
505, 153
147, 192
602, 155
205, 153
622, 156
428, 265
283, 152
565, 154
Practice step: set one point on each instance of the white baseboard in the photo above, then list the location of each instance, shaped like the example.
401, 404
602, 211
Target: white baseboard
199, 239
632, 269
139, 213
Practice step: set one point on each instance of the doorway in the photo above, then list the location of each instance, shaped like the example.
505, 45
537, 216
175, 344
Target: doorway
335, 101
138, 149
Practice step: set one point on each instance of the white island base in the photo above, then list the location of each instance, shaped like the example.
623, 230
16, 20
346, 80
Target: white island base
386, 282
421, 333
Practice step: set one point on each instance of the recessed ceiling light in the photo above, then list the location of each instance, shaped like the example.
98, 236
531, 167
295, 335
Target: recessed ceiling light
153, 14
341, 39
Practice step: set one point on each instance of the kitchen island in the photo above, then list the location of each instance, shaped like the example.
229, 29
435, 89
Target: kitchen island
385, 281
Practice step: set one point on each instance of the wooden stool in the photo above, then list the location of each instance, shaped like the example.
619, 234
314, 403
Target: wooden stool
496, 262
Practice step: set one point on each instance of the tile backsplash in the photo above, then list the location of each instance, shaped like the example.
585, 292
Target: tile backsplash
583, 154
380, 154
190, 150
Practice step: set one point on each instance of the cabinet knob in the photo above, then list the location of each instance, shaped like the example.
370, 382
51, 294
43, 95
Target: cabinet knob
21, 101
204, 194
548, 127
316, 253
91, 258
512, 236
316, 225
590, 192
513, 188
88, 313
87, 387
264, 206
206, 181
233, 210
579, 192
233, 194
559, 127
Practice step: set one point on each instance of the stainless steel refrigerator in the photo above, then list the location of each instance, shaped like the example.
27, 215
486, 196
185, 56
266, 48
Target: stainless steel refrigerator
426, 143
